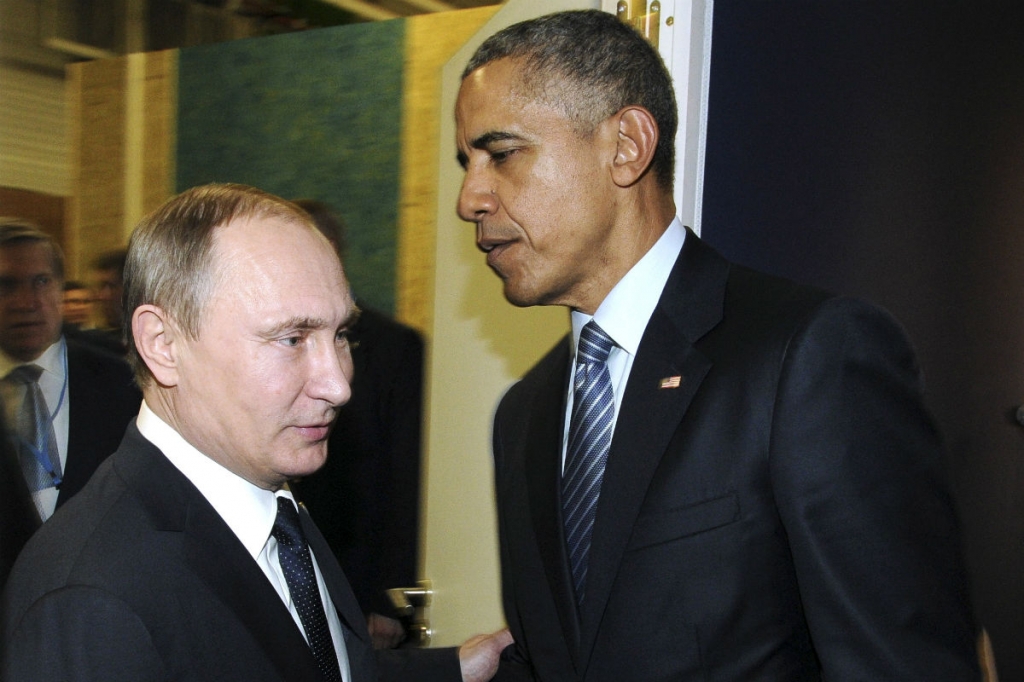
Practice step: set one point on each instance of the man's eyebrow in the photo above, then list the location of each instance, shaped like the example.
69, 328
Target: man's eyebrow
293, 324
353, 317
296, 324
484, 141
487, 139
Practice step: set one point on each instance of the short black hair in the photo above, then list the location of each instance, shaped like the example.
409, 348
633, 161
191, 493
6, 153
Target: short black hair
590, 64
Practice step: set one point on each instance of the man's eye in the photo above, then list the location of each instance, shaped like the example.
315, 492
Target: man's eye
291, 341
502, 155
344, 339
41, 281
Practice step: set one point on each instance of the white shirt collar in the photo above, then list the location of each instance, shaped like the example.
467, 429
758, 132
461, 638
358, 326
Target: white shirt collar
51, 360
627, 308
247, 509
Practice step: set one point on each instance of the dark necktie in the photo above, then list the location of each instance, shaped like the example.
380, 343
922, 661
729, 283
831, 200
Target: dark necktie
590, 437
297, 564
37, 443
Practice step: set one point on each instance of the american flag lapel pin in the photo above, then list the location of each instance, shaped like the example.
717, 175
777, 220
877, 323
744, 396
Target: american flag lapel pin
670, 382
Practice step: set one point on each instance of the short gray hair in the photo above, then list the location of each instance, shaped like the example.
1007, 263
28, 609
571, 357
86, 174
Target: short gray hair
170, 253
21, 231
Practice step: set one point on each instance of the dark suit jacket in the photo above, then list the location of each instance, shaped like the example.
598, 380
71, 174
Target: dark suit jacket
365, 499
107, 340
781, 515
18, 515
103, 399
138, 578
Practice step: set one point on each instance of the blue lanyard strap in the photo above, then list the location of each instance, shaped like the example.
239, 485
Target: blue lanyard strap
40, 452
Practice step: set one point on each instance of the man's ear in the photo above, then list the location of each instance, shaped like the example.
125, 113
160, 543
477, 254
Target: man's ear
158, 342
637, 141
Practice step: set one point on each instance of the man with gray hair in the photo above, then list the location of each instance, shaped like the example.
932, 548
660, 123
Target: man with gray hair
66, 404
719, 475
186, 557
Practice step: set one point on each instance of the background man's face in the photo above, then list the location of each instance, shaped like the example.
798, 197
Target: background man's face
30, 295
109, 287
77, 306
259, 389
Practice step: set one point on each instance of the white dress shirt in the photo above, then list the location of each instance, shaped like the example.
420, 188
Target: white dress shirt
53, 384
624, 314
249, 511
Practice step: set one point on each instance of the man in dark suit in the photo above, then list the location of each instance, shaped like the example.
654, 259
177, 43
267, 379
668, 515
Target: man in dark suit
89, 395
108, 276
751, 488
18, 516
366, 498
185, 556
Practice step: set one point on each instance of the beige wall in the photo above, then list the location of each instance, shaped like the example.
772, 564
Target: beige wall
122, 139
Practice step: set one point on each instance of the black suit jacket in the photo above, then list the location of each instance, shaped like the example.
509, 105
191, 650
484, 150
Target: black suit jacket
18, 515
782, 515
365, 499
103, 399
138, 578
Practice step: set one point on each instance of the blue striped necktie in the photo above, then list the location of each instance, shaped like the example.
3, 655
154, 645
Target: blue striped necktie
297, 565
590, 437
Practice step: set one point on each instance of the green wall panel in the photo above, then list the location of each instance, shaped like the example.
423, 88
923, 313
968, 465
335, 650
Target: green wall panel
314, 114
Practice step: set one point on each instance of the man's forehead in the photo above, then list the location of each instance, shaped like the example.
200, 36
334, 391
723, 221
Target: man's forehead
497, 98
255, 229
36, 256
255, 252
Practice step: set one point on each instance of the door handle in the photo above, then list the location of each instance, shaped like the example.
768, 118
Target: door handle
413, 607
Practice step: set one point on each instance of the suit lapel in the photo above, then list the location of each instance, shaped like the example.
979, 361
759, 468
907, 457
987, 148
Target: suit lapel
357, 637
542, 464
650, 414
215, 555
220, 560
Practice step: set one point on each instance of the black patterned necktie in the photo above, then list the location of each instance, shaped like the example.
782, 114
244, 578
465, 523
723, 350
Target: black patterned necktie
297, 565
37, 443
590, 437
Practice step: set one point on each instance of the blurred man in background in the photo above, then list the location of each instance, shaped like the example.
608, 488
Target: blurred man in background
76, 306
67, 403
366, 498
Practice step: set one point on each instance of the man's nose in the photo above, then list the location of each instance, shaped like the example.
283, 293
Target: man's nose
331, 379
26, 296
477, 197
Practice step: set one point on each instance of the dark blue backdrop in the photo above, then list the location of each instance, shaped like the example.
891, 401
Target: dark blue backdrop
876, 148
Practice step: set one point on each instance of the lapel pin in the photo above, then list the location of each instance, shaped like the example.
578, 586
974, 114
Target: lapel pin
670, 382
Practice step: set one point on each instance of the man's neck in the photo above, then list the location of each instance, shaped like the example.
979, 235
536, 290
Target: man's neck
9, 362
641, 223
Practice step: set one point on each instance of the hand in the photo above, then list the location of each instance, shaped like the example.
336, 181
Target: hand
479, 655
386, 633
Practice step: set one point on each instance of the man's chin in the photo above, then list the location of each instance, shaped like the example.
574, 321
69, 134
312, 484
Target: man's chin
26, 350
308, 461
518, 297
